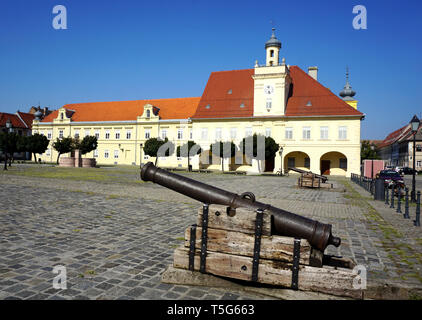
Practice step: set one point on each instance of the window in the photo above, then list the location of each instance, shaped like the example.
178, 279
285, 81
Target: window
128, 134
116, 154
306, 133
307, 163
419, 163
97, 134
48, 152
61, 116
96, 153
291, 162
271, 53
107, 134
342, 133
268, 132
204, 134
324, 133
288, 133
418, 147
179, 134
49, 134
148, 133
268, 105
76, 134
86, 132
106, 154
191, 134
233, 133
163, 134
146, 157
60, 134
218, 134
148, 113
248, 132
117, 135
343, 163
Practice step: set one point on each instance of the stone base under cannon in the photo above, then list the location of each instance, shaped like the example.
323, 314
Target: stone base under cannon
231, 246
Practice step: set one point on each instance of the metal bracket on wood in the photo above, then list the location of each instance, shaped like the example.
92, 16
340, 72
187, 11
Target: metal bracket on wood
192, 243
295, 266
257, 245
204, 238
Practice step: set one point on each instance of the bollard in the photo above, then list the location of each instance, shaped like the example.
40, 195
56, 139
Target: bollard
392, 197
386, 194
417, 221
399, 201
406, 205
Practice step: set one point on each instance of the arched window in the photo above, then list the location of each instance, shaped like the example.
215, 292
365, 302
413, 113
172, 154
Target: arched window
148, 113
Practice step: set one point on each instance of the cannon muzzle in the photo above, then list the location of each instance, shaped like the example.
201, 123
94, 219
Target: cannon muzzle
285, 223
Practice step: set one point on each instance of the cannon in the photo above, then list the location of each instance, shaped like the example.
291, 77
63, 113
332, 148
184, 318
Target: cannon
323, 178
283, 222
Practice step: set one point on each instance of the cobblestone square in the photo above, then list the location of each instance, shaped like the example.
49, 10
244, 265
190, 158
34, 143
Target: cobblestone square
116, 235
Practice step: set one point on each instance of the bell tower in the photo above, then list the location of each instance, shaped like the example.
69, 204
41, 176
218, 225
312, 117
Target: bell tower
271, 82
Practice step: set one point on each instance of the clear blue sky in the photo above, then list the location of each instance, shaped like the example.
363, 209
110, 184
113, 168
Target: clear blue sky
127, 50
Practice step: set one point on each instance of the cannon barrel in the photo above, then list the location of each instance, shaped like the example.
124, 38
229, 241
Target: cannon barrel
285, 223
323, 178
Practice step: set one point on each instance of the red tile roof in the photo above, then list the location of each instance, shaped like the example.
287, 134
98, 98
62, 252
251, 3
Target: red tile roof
224, 94
304, 89
179, 108
395, 136
16, 121
27, 118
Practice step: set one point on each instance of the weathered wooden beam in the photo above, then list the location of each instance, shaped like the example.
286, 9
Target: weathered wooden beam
242, 221
326, 280
238, 243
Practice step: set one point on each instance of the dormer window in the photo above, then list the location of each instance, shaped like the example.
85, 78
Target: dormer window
242, 105
207, 106
61, 116
229, 92
148, 113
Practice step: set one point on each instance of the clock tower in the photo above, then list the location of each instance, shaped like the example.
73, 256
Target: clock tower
271, 82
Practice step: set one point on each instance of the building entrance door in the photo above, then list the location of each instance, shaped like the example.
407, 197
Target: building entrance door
325, 167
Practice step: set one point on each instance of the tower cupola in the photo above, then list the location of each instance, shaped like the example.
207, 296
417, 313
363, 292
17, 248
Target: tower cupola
347, 93
273, 47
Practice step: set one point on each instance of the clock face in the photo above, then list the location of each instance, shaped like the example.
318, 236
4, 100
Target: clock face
268, 89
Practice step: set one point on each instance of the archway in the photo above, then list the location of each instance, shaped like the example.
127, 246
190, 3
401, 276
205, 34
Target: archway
297, 159
333, 163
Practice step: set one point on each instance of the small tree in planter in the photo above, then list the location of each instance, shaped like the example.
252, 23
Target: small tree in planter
223, 150
189, 149
267, 151
153, 147
62, 146
8, 145
88, 144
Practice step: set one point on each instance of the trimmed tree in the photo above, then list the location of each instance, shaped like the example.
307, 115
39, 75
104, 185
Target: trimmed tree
62, 146
153, 148
88, 144
8, 145
267, 151
223, 150
189, 149
37, 143
368, 151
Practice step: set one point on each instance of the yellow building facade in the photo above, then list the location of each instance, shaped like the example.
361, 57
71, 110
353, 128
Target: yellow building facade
315, 129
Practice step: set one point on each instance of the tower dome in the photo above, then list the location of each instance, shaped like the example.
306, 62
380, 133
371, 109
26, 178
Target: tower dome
273, 42
347, 93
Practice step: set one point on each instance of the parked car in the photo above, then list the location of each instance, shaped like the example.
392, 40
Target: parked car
407, 170
391, 178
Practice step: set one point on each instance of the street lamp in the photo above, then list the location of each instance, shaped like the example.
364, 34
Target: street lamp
414, 123
280, 152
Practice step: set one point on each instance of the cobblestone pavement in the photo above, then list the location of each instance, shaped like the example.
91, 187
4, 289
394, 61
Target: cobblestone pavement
115, 239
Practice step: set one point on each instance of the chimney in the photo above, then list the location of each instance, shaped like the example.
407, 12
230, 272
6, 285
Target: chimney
313, 72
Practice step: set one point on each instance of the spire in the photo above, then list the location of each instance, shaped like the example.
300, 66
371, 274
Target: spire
273, 42
347, 93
